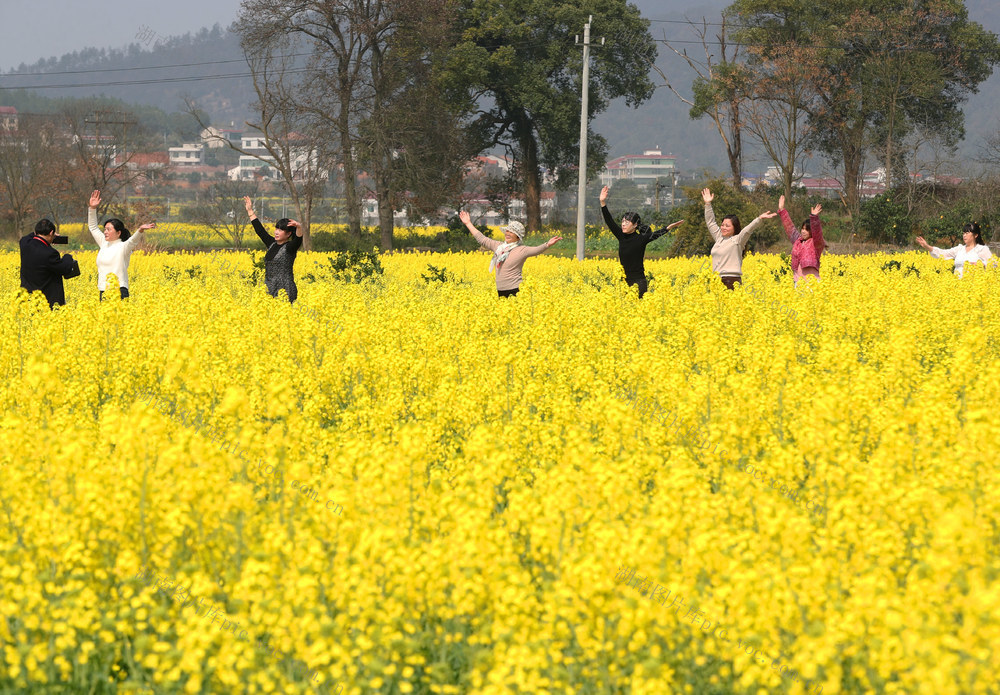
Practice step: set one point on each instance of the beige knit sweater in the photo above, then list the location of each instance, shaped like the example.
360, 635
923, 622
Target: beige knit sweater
727, 253
509, 272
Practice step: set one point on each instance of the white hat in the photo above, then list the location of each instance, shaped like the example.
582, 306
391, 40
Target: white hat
515, 228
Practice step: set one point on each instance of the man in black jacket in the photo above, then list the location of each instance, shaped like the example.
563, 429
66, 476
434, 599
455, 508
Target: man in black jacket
42, 268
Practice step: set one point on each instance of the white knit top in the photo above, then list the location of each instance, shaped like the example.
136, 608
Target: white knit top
113, 256
979, 254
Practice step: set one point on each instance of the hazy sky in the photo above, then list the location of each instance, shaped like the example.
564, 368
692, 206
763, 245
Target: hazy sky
44, 28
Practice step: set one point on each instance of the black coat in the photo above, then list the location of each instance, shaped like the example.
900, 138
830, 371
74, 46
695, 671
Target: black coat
42, 268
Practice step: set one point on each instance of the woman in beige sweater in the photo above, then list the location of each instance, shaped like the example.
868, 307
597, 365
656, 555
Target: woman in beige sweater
508, 256
730, 241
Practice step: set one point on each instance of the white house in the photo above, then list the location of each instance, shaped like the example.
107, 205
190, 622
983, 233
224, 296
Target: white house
188, 154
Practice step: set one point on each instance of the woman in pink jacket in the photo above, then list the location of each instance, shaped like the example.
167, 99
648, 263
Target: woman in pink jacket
807, 241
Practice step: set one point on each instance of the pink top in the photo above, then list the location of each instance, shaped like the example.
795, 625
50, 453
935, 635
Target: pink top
805, 253
509, 271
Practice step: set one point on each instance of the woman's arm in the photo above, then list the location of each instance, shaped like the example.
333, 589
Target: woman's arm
536, 250
296, 241
653, 236
713, 228
744, 235
257, 226
262, 233
134, 239
95, 231
485, 242
608, 219
940, 253
816, 229
786, 221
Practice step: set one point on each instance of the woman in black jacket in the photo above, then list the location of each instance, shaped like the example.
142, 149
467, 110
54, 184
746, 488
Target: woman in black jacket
281, 251
632, 240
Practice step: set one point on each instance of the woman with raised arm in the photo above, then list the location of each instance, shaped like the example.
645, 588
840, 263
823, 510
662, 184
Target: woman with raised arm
807, 241
508, 256
116, 246
971, 250
632, 240
730, 241
281, 250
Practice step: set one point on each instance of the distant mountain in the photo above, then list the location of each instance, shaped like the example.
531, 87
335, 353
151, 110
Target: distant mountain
197, 66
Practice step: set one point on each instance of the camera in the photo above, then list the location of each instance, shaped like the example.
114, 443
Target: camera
60, 239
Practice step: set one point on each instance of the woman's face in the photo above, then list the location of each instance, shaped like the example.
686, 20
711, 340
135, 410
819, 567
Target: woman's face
726, 228
282, 235
969, 238
628, 226
805, 232
110, 233
510, 237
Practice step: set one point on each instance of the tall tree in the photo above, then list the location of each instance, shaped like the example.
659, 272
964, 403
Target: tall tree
517, 59
411, 139
882, 70
360, 84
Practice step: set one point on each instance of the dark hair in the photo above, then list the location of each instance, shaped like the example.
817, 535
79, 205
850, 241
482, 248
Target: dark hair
282, 224
737, 227
44, 226
119, 226
632, 217
974, 228
806, 224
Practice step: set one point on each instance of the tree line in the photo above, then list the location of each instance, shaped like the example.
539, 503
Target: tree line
410, 91
858, 81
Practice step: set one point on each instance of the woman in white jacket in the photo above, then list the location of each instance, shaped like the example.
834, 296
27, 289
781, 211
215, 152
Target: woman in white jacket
971, 250
116, 244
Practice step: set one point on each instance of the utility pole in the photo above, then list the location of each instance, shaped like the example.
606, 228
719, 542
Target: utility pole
657, 196
111, 118
581, 191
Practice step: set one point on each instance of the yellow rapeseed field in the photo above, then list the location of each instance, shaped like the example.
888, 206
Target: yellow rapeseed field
509, 521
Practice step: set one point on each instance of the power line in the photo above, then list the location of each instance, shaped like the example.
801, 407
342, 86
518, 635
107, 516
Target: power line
151, 67
161, 80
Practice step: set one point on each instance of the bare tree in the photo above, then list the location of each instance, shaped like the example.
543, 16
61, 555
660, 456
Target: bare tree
338, 35
718, 90
100, 154
222, 211
29, 153
779, 93
286, 139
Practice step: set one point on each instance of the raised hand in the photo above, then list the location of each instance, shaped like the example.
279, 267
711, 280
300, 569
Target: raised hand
465, 217
553, 240
817, 208
293, 223
768, 215
781, 203
604, 195
95, 199
148, 225
922, 242
249, 205
707, 196
678, 223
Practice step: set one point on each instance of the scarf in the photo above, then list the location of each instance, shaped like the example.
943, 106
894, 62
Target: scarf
500, 255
